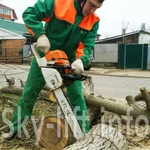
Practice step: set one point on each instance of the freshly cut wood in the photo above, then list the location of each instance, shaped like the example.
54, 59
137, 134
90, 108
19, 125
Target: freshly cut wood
55, 134
101, 136
52, 97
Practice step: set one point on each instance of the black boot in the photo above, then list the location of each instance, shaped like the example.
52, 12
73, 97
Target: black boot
10, 136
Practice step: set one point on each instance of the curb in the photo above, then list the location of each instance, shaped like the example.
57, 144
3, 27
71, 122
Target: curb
104, 74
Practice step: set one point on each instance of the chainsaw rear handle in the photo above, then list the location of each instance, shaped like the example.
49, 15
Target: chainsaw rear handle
42, 62
35, 52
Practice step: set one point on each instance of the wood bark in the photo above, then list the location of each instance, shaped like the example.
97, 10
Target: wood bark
18, 91
101, 136
120, 108
140, 97
146, 97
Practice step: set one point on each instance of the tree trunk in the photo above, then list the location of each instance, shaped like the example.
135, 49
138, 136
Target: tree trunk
120, 108
101, 137
56, 135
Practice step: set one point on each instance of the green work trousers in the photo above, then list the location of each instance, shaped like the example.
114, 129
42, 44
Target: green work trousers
34, 85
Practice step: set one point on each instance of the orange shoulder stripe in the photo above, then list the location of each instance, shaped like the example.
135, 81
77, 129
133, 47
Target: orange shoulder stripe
88, 21
65, 10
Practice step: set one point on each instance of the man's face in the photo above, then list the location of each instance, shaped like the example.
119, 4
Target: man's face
90, 7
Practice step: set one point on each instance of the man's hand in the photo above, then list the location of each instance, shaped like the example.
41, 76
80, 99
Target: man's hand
77, 67
43, 44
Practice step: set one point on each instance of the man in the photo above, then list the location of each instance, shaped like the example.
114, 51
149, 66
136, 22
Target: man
71, 26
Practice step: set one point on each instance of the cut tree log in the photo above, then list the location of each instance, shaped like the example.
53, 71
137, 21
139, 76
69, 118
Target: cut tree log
18, 91
55, 134
118, 107
101, 136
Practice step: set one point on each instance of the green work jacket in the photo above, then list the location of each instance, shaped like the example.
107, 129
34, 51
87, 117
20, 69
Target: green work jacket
65, 26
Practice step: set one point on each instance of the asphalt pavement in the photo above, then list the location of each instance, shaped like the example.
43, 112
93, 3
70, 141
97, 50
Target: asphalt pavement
21, 71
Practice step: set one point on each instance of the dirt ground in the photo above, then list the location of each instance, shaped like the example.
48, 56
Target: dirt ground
41, 108
139, 139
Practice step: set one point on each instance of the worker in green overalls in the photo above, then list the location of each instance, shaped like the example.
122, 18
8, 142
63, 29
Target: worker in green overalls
70, 26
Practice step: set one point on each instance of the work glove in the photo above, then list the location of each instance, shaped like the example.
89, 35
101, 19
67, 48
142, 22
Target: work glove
77, 67
43, 44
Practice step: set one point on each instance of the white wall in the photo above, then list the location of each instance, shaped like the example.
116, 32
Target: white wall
144, 38
106, 53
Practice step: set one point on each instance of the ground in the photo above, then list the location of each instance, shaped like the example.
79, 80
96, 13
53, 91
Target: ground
47, 108
41, 108
138, 136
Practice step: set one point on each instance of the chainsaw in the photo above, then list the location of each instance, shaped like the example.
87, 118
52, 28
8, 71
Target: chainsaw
55, 76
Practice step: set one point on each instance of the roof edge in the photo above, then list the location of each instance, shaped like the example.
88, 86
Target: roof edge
121, 35
17, 36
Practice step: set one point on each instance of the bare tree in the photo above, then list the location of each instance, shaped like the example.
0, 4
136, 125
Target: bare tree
124, 27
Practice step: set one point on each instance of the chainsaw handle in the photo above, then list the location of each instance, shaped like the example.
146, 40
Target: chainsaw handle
40, 60
36, 54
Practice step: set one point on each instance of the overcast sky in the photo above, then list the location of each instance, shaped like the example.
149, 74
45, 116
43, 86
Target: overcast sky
114, 14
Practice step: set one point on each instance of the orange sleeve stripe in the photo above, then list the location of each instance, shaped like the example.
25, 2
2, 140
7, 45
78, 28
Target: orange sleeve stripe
47, 19
65, 10
88, 22
80, 50
30, 31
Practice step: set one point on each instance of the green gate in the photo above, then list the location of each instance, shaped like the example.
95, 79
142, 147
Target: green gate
133, 56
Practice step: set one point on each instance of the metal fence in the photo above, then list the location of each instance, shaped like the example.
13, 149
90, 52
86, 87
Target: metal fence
16, 56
